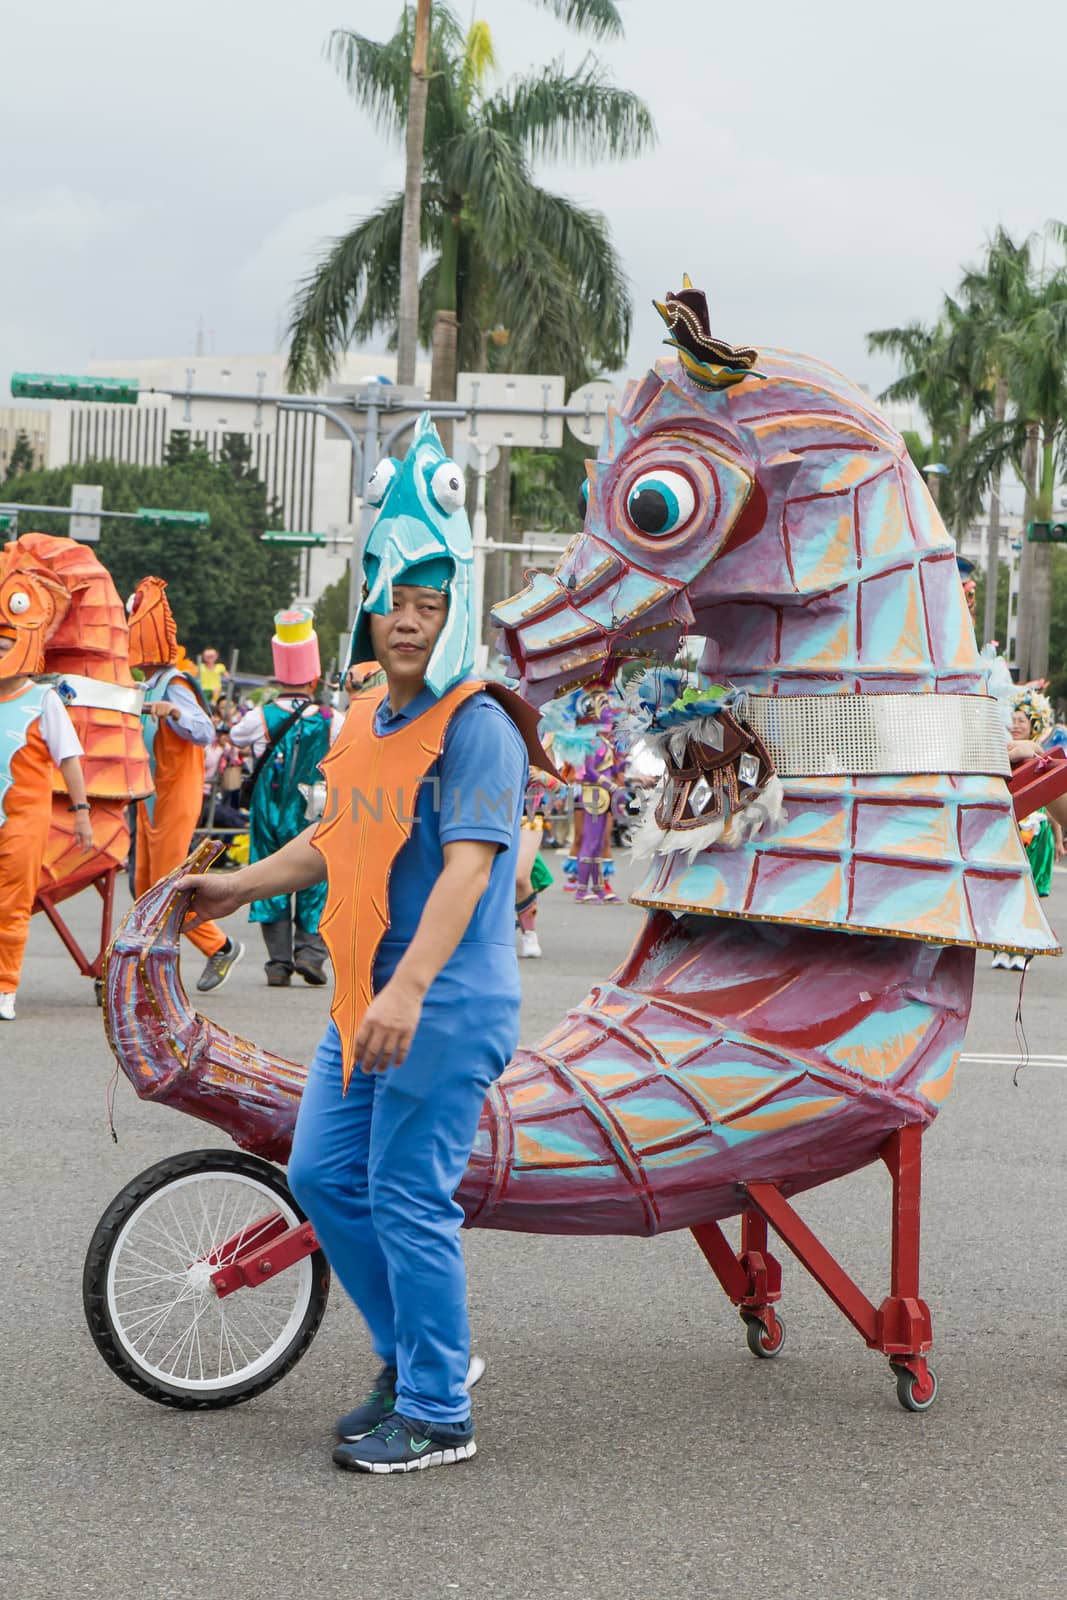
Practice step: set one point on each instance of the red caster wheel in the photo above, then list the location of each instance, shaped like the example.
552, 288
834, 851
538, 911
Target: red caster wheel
913, 1392
760, 1342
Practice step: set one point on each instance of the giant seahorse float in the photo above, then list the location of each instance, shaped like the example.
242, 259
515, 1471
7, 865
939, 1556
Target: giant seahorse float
796, 1001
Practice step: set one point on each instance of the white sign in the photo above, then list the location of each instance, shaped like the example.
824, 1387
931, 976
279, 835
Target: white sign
591, 401
478, 456
86, 500
196, 414
530, 394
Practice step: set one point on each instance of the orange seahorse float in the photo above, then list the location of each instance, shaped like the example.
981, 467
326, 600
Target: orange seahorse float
87, 653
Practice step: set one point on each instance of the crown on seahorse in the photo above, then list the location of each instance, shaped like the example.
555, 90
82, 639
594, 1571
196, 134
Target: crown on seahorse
711, 362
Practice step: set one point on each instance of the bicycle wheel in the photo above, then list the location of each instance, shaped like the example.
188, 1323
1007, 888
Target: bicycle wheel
149, 1301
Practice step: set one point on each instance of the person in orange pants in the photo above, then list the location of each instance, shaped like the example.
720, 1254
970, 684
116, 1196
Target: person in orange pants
176, 730
35, 734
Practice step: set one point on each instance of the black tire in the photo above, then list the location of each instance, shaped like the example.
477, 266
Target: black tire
909, 1394
758, 1341
307, 1284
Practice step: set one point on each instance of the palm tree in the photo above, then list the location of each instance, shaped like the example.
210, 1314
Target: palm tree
946, 374
924, 380
1028, 344
599, 18
994, 294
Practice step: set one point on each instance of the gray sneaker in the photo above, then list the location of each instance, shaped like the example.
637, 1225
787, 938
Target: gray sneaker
218, 967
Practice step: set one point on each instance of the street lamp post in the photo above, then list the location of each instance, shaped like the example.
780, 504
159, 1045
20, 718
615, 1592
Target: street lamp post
375, 403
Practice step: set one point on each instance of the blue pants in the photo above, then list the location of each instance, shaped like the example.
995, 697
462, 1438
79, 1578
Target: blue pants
376, 1171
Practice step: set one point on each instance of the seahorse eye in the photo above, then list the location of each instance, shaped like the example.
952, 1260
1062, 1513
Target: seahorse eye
19, 603
659, 503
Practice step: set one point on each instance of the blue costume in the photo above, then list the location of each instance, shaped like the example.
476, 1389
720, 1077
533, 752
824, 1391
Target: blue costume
376, 1169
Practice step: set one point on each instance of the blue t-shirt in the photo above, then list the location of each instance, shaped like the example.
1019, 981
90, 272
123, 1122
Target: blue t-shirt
474, 790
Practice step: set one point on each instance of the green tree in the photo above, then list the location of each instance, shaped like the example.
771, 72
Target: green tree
1031, 352
995, 291
21, 457
598, 17
546, 488
224, 584
331, 615
1057, 673
508, 254
945, 371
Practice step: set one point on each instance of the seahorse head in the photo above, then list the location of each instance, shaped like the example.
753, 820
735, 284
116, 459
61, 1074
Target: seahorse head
756, 498
32, 605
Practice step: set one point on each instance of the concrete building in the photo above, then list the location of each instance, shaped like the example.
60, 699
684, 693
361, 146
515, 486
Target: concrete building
307, 471
35, 423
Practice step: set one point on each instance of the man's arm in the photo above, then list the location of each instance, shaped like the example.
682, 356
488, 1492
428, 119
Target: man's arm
389, 1023
297, 865
186, 715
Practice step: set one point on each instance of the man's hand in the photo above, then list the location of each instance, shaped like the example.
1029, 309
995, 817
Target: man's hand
162, 710
83, 832
388, 1027
215, 894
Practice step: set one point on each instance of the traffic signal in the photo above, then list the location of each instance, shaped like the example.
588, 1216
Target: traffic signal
9, 521
58, 386
1046, 532
147, 517
306, 541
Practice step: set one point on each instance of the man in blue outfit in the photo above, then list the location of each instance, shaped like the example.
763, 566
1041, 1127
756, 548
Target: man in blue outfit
427, 1012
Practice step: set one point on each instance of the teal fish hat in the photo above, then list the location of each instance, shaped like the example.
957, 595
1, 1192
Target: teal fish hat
421, 536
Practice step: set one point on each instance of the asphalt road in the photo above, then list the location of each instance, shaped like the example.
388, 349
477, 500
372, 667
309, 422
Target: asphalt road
628, 1443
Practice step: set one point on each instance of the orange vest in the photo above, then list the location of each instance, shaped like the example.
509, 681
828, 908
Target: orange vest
363, 837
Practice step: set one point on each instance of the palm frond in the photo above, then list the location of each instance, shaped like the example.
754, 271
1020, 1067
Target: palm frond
999, 445
378, 74
479, 58
600, 18
580, 240
350, 293
485, 172
555, 114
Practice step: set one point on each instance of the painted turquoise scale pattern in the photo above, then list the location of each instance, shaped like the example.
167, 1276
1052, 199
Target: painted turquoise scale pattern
819, 565
15, 719
649, 1103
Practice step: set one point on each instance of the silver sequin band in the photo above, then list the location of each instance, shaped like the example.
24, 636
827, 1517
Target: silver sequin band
828, 735
74, 690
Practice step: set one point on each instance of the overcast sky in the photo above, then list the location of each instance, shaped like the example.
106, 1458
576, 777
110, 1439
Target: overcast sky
822, 168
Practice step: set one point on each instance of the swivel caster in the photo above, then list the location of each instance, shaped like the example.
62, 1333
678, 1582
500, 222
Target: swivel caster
98, 990
762, 1343
916, 1393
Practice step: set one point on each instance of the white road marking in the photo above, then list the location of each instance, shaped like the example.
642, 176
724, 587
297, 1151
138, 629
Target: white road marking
1014, 1059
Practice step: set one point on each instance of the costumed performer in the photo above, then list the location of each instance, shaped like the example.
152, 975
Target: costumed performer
532, 875
177, 729
288, 736
580, 726
1031, 723
36, 736
420, 863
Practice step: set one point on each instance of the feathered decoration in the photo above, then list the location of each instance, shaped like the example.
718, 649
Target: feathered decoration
667, 711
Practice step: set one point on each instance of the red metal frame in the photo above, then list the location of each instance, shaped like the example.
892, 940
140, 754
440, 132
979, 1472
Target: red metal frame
52, 895
277, 1246
752, 1279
